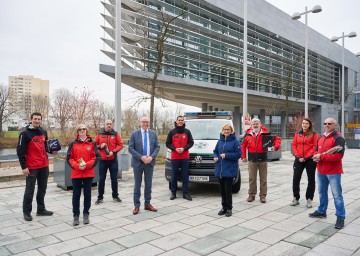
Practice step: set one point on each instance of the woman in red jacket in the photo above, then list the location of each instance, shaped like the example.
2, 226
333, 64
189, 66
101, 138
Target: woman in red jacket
303, 146
82, 156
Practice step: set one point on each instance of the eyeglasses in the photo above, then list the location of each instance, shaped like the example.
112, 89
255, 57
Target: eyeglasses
82, 129
226, 129
328, 123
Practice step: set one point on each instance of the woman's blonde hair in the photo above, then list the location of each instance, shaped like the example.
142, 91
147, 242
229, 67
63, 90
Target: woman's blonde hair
228, 125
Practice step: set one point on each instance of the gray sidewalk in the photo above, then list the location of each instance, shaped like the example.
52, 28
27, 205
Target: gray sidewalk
185, 228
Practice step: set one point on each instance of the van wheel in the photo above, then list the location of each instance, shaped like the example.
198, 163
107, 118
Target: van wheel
237, 185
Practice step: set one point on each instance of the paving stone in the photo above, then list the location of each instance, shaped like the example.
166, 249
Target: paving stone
4, 251
49, 230
234, 234
142, 225
170, 228
321, 228
30, 253
77, 232
306, 239
13, 238
172, 241
202, 230
248, 214
105, 248
179, 252
137, 238
171, 209
351, 229
257, 224
289, 226
284, 248
65, 247
328, 250
9, 223
143, 250
175, 216
110, 234
344, 241
219, 253
110, 224
269, 235
197, 220
245, 247
206, 245
275, 216
226, 222
32, 244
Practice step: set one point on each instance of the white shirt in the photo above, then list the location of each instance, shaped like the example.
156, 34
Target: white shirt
148, 141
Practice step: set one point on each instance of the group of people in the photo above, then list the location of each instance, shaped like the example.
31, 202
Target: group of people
311, 151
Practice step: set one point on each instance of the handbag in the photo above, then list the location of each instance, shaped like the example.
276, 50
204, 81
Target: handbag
53, 145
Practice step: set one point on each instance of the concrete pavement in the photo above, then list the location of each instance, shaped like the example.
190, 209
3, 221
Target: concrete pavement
186, 228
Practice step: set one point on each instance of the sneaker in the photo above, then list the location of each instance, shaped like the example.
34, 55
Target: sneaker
222, 212
76, 221
86, 219
340, 223
115, 199
99, 201
309, 203
294, 202
317, 214
44, 213
228, 213
28, 217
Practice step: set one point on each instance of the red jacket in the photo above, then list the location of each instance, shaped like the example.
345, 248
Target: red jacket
113, 141
330, 163
87, 150
179, 137
254, 144
31, 148
303, 146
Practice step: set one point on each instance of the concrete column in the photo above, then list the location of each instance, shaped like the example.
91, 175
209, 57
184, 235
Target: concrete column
237, 120
283, 124
204, 106
262, 116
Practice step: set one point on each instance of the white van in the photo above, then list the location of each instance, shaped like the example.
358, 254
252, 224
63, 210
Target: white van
205, 128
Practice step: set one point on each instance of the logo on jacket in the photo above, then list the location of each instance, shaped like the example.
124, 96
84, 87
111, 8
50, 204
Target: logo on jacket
88, 148
201, 145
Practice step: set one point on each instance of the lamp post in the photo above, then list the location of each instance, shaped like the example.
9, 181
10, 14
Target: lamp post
245, 100
296, 16
334, 39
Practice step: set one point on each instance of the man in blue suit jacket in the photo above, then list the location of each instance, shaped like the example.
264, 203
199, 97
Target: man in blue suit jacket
144, 147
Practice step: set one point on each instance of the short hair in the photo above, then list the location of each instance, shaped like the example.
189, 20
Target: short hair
179, 117
255, 120
81, 126
230, 126
35, 114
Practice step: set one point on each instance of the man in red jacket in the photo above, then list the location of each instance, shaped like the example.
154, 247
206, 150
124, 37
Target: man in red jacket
109, 143
328, 155
179, 141
34, 161
258, 141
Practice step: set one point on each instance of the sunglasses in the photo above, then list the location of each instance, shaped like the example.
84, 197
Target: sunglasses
82, 129
328, 123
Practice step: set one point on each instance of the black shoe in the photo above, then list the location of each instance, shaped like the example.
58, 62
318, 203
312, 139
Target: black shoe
76, 221
86, 219
317, 214
172, 197
115, 199
28, 217
340, 223
99, 201
228, 213
44, 213
187, 197
222, 212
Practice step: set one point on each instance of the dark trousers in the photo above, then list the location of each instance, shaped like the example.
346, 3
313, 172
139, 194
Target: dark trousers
84, 183
41, 176
226, 192
299, 167
112, 165
147, 170
184, 165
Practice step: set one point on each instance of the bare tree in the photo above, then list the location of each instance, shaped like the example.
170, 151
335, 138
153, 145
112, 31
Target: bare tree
97, 112
109, 112
40, 103
7, 107
130, 120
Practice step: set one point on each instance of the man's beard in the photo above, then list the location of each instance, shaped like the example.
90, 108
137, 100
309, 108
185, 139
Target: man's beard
256, 130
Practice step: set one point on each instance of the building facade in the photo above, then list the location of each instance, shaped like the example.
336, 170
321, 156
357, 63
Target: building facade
203, 58
29, 94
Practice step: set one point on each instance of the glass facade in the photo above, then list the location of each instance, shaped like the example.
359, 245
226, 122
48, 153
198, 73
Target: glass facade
206, 44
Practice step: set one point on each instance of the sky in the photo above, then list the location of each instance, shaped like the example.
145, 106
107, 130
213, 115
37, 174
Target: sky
60, 41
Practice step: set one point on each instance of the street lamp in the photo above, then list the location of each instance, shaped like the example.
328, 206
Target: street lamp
334, 39
296, 16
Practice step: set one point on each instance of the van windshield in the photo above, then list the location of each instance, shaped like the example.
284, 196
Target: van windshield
202, 129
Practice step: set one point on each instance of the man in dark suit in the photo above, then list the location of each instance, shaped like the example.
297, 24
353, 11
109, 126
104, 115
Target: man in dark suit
144, 147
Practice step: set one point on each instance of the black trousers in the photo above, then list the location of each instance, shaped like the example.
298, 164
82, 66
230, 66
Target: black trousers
79, 183
299, 167
226, 192
41, 176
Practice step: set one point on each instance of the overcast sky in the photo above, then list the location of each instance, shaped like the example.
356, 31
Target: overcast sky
60, 41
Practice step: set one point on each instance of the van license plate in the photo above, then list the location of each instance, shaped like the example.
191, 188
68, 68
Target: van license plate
199, 178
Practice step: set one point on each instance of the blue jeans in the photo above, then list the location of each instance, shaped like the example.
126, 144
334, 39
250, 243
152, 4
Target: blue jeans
335, 183
104, 165
148, 170
77, 185
184, 165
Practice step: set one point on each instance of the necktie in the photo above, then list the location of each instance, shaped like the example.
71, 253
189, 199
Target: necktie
145, 143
